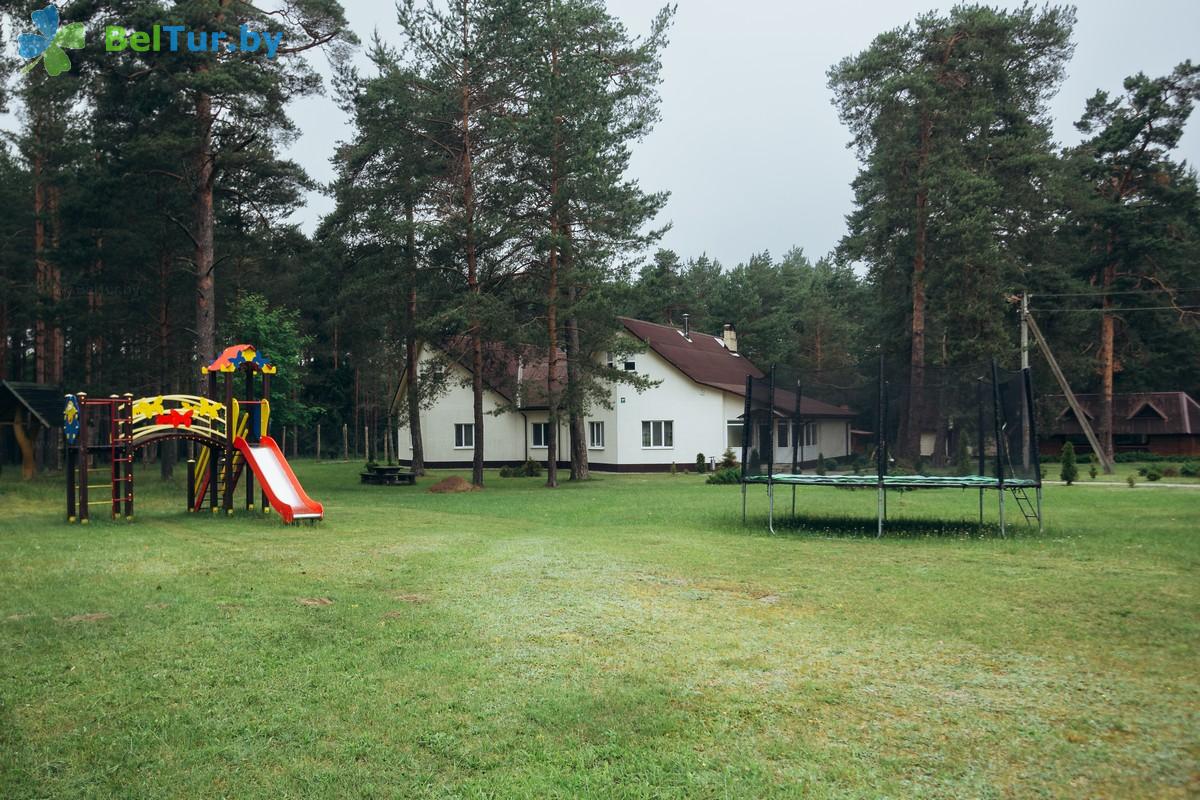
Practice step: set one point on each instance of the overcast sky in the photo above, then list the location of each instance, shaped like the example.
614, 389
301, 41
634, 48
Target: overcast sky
749, 146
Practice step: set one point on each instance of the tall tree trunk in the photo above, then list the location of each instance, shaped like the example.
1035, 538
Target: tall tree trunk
473, 287
3, 337
412, 388
552, 360
579, 453
911, 441
203, 225
169, 449
1107, 361
41, 349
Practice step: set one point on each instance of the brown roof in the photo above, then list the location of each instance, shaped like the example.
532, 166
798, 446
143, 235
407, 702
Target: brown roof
704, 358
1149, 413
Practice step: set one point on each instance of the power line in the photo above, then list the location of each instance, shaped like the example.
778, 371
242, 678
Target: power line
1116, 309
1102, 293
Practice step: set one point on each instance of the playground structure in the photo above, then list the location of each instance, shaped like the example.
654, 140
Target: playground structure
977, 430
103, 434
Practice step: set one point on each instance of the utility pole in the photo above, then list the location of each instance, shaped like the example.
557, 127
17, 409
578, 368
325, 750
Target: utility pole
1024, 331
1026, 422
1086, 426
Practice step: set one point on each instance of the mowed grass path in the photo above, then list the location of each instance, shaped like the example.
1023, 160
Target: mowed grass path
622, 638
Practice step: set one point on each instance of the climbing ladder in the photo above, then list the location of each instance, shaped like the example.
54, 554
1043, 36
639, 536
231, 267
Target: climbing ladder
118, 490
1026, 506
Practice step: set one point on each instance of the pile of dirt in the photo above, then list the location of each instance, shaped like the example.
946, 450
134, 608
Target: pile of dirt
453, 485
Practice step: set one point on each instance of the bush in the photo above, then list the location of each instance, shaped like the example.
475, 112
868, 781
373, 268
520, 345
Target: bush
1143, 470
1068, 473
831, 463
1170, 472
530, 469
1191, 469
728, 459
1154, 474
701, 463
1092, 471
1132, 481
820, 463
725, 476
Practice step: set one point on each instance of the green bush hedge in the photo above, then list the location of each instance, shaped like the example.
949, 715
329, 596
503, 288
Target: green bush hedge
725, 476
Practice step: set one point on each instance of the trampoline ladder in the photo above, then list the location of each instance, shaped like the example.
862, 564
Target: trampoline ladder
1024, 504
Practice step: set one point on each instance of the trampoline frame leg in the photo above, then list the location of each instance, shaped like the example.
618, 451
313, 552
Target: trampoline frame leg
1041, 526
743, 502
793, 501
881, 505
771, 507
1003, 532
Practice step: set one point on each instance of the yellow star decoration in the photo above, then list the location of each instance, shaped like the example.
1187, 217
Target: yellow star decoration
249, 354
148, 407
203, 407
268, 369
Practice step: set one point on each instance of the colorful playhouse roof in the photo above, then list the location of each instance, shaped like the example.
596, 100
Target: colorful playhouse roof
238, 355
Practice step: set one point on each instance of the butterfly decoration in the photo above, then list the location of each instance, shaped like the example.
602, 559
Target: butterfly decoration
51, 44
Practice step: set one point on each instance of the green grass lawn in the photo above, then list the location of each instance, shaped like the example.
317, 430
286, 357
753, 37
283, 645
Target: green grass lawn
622, 638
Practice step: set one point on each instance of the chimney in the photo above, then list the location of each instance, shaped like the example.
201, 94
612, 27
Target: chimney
687, 328
729, 336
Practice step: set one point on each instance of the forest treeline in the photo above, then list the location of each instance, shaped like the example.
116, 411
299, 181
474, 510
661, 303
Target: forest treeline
484, 196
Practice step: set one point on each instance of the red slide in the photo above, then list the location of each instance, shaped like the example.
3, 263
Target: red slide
278, 481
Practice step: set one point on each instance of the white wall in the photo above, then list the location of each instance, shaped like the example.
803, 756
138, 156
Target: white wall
697, 413
504, 435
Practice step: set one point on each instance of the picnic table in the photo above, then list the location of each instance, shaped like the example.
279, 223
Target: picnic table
387, 476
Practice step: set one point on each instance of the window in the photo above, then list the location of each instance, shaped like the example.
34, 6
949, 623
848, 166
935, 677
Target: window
783, 434
630, 366
464, 434
541, 432
809, 431
733, 434
658, 433
596, 435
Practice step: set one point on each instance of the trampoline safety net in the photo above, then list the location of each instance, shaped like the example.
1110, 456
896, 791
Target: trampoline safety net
964, 426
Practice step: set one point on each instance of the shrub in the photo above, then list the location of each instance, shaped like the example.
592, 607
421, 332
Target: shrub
1132, 481
1068, 472
1092, 471
701, 463
531, 469
1170, 472
508, 472
1191, 469
820, 463
831, 463
728, 459
1143, 470
725, 476
1154, 474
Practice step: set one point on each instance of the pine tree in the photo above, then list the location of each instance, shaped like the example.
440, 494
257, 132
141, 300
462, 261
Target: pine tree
948, 115
1136, 211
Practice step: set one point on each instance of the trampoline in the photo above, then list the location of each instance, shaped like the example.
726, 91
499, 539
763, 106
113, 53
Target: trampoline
975, 421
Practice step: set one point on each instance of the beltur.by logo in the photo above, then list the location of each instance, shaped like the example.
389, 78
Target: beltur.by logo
174, 38
51, 45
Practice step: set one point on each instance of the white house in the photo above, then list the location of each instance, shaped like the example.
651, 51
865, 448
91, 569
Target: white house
696, 407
